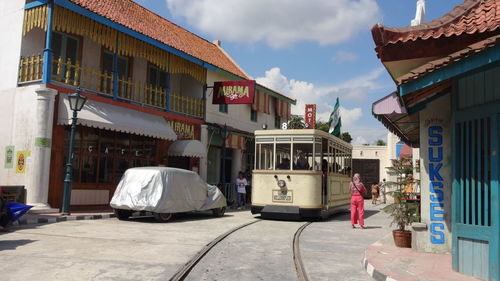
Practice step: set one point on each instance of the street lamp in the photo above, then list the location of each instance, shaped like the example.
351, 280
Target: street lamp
76, 103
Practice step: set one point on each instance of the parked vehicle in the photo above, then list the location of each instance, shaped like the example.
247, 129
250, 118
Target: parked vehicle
164, 191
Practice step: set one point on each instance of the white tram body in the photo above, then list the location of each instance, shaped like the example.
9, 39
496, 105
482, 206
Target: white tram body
300, 173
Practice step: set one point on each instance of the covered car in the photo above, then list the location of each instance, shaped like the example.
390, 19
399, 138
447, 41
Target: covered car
163, 191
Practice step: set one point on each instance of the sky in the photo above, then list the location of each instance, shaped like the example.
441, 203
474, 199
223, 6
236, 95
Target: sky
311, 50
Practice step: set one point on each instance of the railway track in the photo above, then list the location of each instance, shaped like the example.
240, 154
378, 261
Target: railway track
184, 271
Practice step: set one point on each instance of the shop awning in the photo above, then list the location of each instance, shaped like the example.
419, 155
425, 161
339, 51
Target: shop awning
396, 119
115, 118
187, 148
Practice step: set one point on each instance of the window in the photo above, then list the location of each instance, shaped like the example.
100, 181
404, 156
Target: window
277, 122
253, 115
223, 108
103, 156
283, 156
302, 156
107, 68
157, 77
65, 47
265, 154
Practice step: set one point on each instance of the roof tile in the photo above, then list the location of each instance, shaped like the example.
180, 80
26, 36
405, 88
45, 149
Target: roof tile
472, 16
138, 18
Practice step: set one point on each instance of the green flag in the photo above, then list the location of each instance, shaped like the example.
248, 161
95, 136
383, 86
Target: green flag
335, 120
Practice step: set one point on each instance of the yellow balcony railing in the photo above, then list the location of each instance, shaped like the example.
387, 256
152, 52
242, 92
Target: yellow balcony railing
30, 69
75, 74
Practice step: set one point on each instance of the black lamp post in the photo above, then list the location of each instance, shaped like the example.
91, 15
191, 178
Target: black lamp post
76, 103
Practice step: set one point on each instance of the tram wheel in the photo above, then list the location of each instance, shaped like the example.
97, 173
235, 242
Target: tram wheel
219, 212
162, 217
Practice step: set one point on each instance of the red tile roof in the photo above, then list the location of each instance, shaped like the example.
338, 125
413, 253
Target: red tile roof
449, 59
470, 17
138, 18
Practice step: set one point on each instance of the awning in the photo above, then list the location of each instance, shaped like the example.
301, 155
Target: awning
187, 148
396, 119
115, 118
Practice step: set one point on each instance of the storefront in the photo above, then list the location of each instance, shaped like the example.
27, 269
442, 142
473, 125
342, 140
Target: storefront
448, 105
109, 139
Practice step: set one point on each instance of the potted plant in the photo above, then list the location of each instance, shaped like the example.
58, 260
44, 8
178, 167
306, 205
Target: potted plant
404, 210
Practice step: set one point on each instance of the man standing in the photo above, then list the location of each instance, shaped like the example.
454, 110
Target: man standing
382, 191
241, 184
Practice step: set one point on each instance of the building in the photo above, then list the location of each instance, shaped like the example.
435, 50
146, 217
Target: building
145, 80
447, 103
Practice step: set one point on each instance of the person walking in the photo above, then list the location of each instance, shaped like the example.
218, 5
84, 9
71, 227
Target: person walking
357, 201
375, 189
241, 184
382, 191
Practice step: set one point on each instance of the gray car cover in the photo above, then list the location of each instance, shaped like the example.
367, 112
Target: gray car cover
165, 190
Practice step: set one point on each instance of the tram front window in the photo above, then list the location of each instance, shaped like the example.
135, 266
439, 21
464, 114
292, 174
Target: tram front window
265, 156
283, 151
302, 156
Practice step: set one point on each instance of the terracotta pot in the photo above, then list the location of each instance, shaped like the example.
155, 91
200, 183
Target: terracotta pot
402, 238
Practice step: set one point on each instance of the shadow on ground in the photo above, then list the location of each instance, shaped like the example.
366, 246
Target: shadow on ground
13, 244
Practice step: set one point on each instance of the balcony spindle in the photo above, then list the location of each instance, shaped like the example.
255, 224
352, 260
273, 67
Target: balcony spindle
77, 68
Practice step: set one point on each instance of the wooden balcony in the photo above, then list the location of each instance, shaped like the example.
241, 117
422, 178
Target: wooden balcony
75, 74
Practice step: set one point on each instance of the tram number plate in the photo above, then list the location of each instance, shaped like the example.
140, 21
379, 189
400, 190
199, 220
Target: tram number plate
282, 196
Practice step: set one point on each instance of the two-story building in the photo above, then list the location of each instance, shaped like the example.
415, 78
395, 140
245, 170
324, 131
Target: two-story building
145, 80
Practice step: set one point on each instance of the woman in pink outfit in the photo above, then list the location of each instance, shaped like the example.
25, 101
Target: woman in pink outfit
357, 201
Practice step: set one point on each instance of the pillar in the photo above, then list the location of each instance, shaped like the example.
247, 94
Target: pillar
203, 160
237, 160
38, 191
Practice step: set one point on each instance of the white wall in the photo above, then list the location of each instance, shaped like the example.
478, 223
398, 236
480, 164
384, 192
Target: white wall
91, 54
435, 125
185, 85
11, 23
140, 71
17, 124
33, 43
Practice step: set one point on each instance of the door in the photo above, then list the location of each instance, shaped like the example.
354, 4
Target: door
475, 219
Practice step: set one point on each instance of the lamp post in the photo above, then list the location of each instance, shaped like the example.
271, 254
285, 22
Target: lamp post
224, 136
76, 103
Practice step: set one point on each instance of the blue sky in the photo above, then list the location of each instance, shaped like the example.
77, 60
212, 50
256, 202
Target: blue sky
311, 50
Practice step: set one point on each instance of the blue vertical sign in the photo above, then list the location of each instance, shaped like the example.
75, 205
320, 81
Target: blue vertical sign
436, 186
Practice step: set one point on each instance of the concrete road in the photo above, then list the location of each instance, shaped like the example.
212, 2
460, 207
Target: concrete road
142, 249
331, 250
109, 249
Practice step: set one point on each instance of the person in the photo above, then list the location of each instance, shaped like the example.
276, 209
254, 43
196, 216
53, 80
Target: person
248, 187
284, 165
241, 184
382, 191
302, 163
357, 202
375, 193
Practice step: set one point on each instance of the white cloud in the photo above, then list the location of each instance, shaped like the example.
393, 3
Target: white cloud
344, 56
278, 23
359, 140
325, 97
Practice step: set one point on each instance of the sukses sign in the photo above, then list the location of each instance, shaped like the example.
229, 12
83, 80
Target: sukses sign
234, 92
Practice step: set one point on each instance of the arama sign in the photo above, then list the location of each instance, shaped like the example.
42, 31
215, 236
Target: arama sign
234, 92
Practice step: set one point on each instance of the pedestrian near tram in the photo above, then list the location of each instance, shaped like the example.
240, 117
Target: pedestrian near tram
357, 201
241, 184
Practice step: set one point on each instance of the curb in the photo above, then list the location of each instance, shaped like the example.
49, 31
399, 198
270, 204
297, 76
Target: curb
373, 272
22, 222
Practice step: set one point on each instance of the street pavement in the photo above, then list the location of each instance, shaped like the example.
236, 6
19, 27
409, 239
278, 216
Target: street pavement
142, 249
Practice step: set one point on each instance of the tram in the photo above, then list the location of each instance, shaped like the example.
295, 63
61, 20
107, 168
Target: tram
300, 174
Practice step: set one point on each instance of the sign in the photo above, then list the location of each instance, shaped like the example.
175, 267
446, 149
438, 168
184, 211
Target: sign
436, 186
234, 92
310, 116
42, 142
283, 196
9, 157
183, 130
21, 159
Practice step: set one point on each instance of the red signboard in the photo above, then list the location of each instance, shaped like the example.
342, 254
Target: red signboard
310, 116
234, 92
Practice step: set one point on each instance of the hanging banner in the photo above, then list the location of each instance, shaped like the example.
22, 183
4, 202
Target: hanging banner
310, 116
234, 92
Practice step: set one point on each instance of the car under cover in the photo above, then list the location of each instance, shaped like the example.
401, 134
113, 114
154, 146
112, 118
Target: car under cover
165, 190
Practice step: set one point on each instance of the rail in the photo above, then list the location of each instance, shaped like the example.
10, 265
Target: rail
297, 258
103, 82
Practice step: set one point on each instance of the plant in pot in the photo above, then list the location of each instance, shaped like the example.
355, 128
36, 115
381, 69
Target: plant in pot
403, 211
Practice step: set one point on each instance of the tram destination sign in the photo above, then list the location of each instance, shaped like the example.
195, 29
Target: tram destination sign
282, 196
234, 92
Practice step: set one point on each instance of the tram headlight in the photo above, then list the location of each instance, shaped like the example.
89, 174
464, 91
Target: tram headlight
281, 183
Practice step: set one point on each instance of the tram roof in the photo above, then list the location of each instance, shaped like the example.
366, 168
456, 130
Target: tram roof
302, 133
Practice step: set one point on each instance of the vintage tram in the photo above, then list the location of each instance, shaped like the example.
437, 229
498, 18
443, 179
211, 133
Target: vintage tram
300, 173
